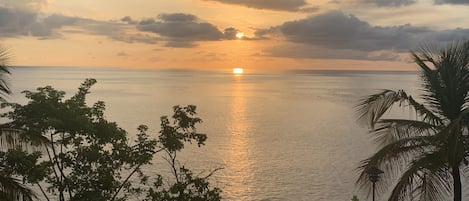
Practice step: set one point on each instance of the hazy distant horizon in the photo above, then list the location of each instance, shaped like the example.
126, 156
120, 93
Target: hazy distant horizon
227, 70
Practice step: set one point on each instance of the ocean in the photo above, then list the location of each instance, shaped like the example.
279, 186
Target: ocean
280, 136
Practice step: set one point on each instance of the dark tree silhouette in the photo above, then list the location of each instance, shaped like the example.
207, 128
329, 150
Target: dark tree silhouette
88, 157
10, 188
426, 154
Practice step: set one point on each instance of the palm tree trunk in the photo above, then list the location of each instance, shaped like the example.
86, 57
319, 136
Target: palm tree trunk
456, 183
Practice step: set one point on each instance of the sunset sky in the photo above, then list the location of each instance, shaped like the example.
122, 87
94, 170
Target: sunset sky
202, 34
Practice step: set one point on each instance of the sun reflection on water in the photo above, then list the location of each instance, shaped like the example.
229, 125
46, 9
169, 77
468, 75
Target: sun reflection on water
238, 160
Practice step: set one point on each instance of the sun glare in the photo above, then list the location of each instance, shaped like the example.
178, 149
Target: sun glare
238, 71
239, 35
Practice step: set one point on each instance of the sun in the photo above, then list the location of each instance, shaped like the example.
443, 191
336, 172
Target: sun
239, 35
238, 71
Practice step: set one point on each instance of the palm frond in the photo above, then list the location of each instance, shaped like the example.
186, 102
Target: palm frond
446, 84
372, 108
426, 114
433, 185
4, 65
13, 138
426, 177
389, 130
11, 188
393, 157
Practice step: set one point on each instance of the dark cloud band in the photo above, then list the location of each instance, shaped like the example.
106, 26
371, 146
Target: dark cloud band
183, 30
345, 33
279, 5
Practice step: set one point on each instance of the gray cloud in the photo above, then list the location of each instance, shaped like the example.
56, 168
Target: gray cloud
134, 38
183, 27
122, 54
178, 30
301, 51
337, 30
115, 31
346, 34
15, 22
280, 5
390, 3
230, 33
47, 27
129, 20
399, 3
21, 22
29, 5
452, 2
183, 30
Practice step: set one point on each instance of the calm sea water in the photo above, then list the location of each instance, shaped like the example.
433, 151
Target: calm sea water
290, 136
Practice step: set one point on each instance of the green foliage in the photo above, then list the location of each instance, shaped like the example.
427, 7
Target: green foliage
87, 157
173, 136
423, 157
355, 198
186, 187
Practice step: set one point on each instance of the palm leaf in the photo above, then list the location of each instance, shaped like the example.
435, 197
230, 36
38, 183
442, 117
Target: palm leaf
4, 63
430, 175
11, 188
423, 151
389, 130
393, 157
372, 108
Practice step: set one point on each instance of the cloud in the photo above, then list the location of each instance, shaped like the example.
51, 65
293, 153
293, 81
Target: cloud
399, 3
178, 30
279, 5
122, 54
183, 30
338, 30
47, 27
230, 33
15, 22
115, 31
20, 22
30, 5
347, 36
181, 27
452, 2
129, 20
134, 38
301, 51
390, 3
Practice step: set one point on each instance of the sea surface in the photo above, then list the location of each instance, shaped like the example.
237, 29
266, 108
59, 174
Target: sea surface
285, 136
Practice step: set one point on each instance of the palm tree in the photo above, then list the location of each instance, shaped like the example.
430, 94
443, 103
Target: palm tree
4, 89
10, 188
423, 157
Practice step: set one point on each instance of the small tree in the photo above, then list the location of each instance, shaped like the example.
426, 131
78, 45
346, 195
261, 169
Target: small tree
186, 187
86, 156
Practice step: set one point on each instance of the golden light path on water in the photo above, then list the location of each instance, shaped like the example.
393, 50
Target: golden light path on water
238, 156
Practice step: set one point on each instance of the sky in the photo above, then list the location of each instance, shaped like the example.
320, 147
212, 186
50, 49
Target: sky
276, 35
